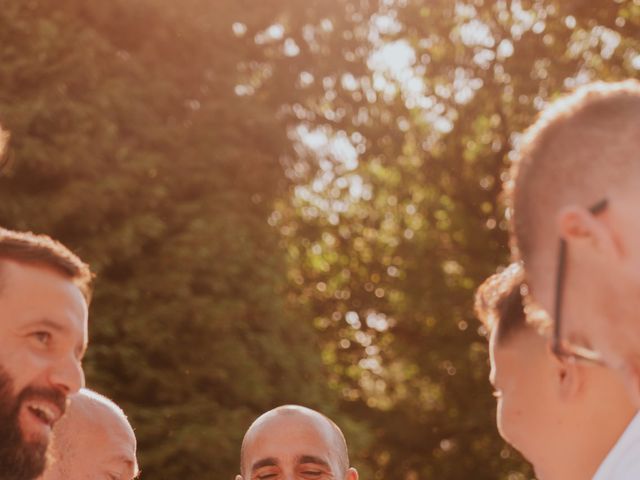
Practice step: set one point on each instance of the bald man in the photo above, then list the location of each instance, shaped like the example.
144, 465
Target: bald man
294, 443
93, 440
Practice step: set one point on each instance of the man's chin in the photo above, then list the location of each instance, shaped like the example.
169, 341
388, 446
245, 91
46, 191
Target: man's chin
34, 430
23, 455
26, 462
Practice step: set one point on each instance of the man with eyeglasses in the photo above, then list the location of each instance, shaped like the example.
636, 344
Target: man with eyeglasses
564, 416
575, 194
292, 442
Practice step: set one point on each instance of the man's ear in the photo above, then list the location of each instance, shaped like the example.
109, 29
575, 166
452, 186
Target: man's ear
238, 477
568, 375
352, 474
579, 227
571, 379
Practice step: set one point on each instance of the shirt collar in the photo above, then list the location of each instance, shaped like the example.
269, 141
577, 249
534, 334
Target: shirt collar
623, 461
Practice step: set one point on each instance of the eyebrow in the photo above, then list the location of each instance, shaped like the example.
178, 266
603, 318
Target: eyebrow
129, 463
265, 462
126, 461
46, 322
312, 459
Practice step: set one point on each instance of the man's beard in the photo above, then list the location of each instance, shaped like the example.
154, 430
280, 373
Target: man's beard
21, 459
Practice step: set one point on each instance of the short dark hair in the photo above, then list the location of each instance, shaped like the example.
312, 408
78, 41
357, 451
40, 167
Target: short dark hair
32, 249
499, 303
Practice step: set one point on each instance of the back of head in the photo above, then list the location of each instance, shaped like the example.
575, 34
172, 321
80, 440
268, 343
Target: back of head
42, 250
580, 147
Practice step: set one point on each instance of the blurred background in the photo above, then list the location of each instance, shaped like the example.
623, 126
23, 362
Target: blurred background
290, 201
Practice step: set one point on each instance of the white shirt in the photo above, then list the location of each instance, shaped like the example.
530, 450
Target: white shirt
623, 461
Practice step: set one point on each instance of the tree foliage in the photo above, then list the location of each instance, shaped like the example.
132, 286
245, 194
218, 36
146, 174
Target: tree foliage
290, 201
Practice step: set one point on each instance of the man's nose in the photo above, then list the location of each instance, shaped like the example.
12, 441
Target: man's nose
67, 375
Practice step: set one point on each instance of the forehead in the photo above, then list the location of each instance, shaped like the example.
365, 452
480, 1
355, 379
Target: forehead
116, 446
23, 279
492, 353
31, 293
102, 433
289, 437
520, 351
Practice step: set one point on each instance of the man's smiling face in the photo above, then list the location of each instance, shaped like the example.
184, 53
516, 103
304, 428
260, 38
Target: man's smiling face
294, 446
43, 336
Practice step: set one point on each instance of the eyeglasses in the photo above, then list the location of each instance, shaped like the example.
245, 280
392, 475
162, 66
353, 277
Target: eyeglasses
560, 347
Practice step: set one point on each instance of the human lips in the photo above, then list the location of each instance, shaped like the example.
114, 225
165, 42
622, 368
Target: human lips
40, 410
45, 411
